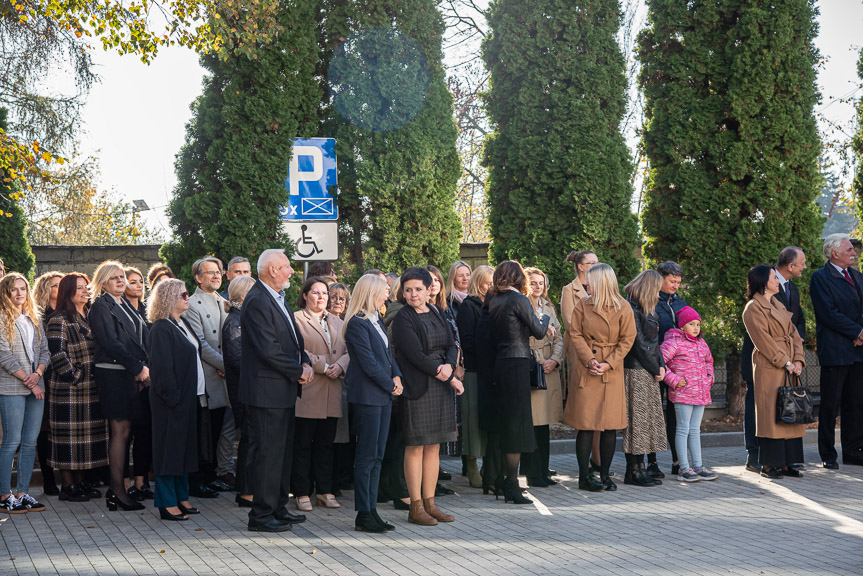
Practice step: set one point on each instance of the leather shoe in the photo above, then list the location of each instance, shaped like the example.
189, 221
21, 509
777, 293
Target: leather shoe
831, 464
272, 525
286, 516
441, 490
220, 486
752, 467
792, 473
202, 491
772, 473
243, 502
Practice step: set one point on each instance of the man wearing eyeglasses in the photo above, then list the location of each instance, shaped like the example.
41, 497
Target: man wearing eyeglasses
205, 315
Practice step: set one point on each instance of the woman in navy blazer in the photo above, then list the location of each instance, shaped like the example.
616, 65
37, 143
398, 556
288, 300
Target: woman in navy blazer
372, 379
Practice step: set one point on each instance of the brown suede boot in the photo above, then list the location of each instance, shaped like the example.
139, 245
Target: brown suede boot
435, 512
418, 515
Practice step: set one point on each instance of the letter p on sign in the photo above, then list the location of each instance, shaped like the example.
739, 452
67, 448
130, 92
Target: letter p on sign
306, 175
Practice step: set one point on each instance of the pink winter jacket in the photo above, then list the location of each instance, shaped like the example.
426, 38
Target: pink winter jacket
689, 359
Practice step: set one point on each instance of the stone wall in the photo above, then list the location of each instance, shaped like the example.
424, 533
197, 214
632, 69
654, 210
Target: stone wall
85, 258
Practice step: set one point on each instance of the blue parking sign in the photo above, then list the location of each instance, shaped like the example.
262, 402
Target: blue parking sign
311, 180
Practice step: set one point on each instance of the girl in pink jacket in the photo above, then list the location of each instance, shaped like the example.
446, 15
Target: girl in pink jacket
689, 375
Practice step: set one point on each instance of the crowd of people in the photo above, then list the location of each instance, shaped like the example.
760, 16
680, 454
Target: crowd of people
365, 388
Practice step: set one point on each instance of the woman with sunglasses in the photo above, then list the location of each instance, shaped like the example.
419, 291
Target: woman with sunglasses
177, 383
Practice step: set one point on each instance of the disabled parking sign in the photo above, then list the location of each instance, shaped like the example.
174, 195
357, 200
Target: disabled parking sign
312, 181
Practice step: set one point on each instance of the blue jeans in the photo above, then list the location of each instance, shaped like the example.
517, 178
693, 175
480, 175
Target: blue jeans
22, 419
171, 490
372, 425
688, 432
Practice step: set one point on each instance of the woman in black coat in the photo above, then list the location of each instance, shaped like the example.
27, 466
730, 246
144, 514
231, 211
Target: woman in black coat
513, 322
427, 355
232, 352
177, 382
121, 369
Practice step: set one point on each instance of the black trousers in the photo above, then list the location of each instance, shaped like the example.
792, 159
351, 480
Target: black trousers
269, 460
141, 440
312, 470
841, 395
534, 465
392, 477
779, 452
242, 449
208, 439
670, 421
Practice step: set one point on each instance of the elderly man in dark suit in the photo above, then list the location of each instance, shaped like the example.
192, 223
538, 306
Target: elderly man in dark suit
837, 297
274, 366
790, 264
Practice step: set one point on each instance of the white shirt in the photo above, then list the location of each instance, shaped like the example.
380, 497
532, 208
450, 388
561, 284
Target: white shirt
373, 318
27, 331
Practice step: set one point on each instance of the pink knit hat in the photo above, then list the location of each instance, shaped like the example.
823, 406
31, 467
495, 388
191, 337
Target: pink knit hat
686, 315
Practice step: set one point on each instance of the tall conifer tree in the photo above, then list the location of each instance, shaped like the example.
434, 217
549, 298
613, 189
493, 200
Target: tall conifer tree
733, 147
559, 169
392, 116
232, 170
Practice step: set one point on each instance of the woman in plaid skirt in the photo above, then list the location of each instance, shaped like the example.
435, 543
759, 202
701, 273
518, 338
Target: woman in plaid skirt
79, 432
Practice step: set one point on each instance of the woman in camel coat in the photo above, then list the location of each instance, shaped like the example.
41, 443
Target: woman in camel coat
778, 353
320, 406
602, 332
572, 293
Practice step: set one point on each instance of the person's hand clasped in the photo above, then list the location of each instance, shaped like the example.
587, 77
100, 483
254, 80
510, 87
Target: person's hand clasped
599, 368
797, 367
549, 365
31, 380
444, 371
333, 371
397, 386
457, 386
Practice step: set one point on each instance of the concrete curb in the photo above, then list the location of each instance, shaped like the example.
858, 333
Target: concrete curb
712, 440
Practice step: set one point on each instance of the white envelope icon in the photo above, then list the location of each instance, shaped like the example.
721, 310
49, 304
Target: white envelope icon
317, 207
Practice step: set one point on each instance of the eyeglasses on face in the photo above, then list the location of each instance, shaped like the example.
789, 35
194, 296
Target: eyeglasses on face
184, 295
212, 273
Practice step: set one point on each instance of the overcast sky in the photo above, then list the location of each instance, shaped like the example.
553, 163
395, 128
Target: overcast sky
136, 116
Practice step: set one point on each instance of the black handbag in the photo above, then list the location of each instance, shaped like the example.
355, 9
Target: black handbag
537, 374
794, 403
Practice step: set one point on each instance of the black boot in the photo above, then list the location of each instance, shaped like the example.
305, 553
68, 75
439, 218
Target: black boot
511, 492
365, 522
639, 477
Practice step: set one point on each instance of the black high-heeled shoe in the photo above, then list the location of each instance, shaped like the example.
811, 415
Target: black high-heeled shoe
135, 494
113, 502
165, 515
399, 505
487, 489
190, 510
511, 492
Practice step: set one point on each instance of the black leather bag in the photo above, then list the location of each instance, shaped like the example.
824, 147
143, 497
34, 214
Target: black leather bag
794, 403
537, 374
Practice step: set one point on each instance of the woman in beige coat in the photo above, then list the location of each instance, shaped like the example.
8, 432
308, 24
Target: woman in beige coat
546, 405
319, 408
778, 353
602, 332
572, 293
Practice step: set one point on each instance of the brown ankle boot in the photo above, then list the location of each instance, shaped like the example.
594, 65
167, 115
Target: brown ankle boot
418, 515
435, 512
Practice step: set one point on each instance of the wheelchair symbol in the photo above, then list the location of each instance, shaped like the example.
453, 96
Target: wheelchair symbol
310, 247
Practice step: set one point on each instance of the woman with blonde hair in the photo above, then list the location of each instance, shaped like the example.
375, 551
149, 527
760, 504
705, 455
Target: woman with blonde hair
372, 379
45, 294
473, 439
178, 383
121, 369
457, 285
602, 332
546, 405
644, 368
232, 352
23, 359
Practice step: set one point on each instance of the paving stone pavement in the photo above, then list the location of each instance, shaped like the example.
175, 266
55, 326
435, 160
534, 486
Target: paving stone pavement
739, 524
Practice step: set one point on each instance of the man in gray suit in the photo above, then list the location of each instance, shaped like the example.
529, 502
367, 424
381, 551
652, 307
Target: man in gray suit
205, 315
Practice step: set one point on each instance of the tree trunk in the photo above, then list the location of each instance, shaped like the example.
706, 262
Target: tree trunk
735, 390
